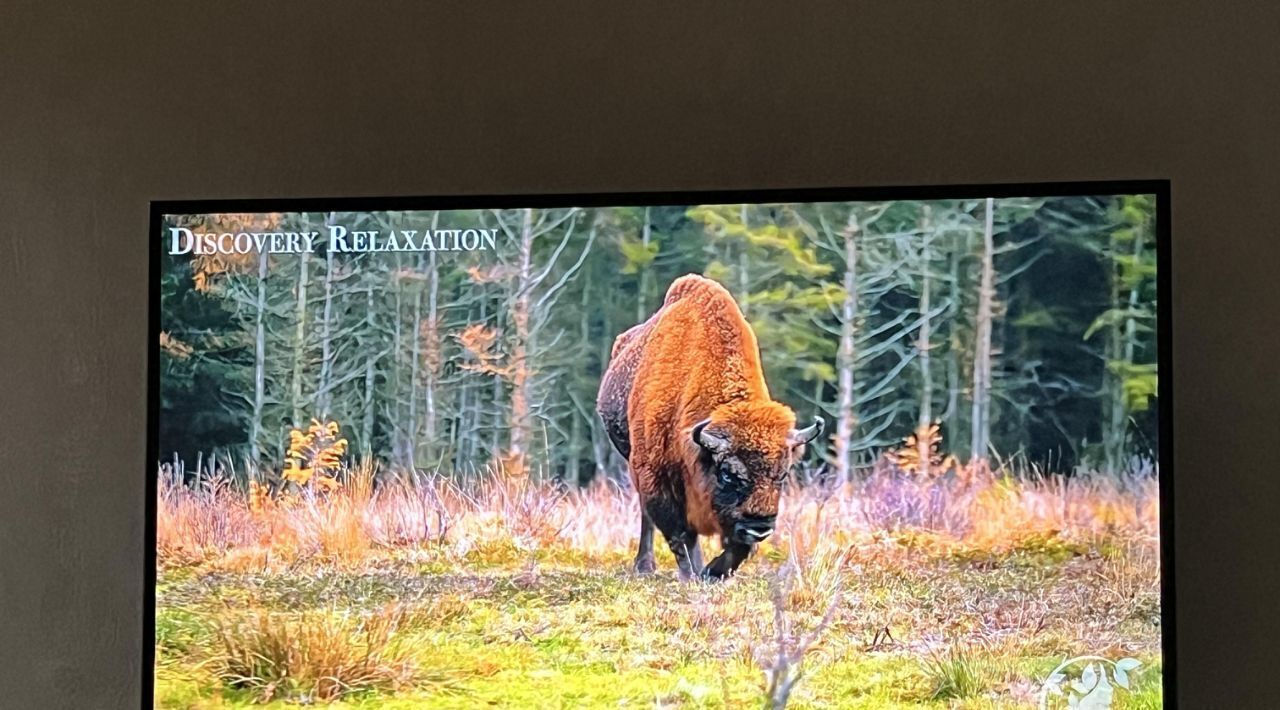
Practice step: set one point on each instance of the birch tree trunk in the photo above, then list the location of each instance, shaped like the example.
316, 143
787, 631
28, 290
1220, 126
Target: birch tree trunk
981, 425
922, 345
605, 454
432, 337
465, 427
1115, 415
646, 274
300, 344
952, 415
415, 365
323, 396
845, 421
259, 363
519, 442
471, 414
1123, 343
573, 460
599, 455
498, 418
398, 438
744, 277
370, 372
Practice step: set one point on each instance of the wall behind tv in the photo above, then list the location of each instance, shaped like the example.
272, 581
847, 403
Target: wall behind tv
105, 107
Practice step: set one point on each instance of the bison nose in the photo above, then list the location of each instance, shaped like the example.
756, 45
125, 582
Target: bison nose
752, 530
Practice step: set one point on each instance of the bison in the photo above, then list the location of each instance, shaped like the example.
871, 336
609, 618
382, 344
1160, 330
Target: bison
684, 400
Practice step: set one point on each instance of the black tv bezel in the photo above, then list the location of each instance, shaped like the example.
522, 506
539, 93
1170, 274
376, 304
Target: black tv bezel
1161, 188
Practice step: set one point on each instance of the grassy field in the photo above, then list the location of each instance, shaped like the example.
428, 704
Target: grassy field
891, 592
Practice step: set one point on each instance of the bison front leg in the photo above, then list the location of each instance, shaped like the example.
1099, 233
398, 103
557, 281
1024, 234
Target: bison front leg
735, 553
644, 556
684, 545
668, 516
695, 554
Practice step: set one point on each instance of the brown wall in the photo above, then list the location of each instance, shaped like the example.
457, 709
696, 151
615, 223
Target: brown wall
106, 108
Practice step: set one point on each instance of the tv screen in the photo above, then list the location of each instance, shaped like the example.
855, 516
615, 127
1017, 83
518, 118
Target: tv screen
852, 448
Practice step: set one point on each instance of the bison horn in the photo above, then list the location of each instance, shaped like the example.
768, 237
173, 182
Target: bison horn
707, 440
804, 436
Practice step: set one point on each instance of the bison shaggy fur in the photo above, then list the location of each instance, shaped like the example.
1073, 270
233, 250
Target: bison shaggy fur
684, 400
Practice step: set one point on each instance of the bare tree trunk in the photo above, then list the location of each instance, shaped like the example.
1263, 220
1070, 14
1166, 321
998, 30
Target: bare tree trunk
300, 343
1122, 347
499, 417
598, 455
981, 425
1115, 415
608, 461
646, 275
448, 451
323, 396
1130, 338
922, 344
499, 397
573, 467
399, 444
744, 278
953, 416
434, 358
465, 427
845, 416
415, 365
370, 372
471, 414
259, 363
519, 442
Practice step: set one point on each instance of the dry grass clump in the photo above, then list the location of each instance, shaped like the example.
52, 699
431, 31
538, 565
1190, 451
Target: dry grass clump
207, 519
315, 656
958, 673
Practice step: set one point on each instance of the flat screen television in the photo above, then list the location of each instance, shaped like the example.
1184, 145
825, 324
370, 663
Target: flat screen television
862, 448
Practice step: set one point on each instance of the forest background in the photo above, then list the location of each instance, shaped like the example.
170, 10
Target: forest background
1008, 328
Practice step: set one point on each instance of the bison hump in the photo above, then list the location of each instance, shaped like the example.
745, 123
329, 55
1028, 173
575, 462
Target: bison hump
694, 286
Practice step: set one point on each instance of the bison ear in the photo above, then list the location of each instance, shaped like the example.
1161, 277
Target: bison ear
711, 441
809, 433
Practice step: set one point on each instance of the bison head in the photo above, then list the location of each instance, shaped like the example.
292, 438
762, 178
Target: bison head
747, 448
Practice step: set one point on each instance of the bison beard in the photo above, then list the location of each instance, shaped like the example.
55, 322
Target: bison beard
685, 402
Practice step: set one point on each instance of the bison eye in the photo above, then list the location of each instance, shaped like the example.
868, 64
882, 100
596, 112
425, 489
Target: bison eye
724, 475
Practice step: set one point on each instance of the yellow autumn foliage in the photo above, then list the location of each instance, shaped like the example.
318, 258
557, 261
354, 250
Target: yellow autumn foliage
314, 457
929, 439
